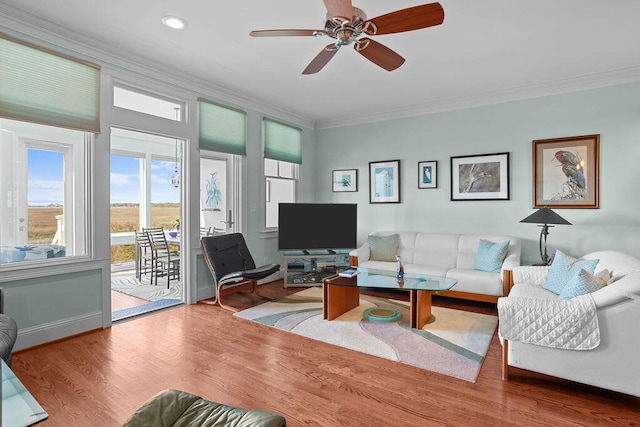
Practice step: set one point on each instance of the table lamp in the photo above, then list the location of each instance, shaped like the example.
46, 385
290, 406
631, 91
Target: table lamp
544, 217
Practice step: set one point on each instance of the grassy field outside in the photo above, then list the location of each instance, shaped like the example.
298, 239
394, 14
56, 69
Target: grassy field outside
124, 218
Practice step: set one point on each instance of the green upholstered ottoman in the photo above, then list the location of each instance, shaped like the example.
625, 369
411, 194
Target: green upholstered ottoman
179, 408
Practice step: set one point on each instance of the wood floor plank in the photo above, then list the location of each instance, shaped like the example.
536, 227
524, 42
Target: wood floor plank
101, 377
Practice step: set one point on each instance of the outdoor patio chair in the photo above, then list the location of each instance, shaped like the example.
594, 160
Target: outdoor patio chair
232, 266
143, 256
205, 231
164, 262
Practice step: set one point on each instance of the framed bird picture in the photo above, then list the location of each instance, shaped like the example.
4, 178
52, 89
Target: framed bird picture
480, 177
345, 180
567, 172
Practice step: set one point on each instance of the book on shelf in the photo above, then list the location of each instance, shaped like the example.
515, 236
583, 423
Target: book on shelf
348, 273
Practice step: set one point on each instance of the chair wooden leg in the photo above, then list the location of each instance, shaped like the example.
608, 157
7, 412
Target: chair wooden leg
227, 307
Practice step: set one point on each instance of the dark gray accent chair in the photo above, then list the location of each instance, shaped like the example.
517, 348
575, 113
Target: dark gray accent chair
232, 266
8, 333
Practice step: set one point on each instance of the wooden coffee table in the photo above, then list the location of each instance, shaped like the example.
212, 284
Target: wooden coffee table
341, 294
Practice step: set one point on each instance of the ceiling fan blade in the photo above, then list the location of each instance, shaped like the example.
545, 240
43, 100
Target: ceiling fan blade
413, 18
321, 59
286, 33
342, 8
379, 54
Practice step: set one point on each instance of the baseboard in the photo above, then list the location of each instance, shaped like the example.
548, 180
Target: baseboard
48, 332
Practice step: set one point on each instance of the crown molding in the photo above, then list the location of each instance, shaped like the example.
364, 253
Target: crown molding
538, 90
43, 32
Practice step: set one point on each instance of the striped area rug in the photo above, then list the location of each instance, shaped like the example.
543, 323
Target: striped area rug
454, 345
128, 284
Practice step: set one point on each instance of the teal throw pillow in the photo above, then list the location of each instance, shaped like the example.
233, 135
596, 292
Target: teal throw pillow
490, 256
581, 284
564, 268
383, 248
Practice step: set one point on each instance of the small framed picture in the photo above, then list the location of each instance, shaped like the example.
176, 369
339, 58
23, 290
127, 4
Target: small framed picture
345, 180
566, 172
428, 174
480, 177
384, 182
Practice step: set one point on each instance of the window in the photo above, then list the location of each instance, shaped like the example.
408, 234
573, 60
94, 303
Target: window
125, 193
281, 185
153, 105
49, 110
43, 176
282, 159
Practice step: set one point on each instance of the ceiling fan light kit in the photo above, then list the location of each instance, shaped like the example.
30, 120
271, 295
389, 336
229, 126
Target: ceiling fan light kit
349, 30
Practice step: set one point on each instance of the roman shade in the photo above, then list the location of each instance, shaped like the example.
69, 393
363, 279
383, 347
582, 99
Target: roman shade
40, 86
222, 129
282, 142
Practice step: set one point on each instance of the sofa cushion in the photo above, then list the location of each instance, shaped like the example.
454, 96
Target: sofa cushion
563, 269
581, 284
490, 256
437, 249
383, 248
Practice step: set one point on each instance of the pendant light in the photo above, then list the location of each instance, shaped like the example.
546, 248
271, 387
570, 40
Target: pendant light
174, 177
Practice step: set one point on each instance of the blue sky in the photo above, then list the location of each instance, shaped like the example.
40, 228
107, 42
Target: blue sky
125, 181
45, 178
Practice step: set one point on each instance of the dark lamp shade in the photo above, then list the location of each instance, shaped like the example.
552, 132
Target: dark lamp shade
545, 216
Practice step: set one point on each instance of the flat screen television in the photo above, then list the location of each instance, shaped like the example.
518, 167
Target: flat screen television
304, 226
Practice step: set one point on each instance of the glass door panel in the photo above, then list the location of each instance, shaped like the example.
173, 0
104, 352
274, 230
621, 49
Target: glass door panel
217, 211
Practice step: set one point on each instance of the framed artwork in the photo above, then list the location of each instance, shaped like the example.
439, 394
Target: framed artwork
345, 180
480, 177
384, 182
428, 174
566, 172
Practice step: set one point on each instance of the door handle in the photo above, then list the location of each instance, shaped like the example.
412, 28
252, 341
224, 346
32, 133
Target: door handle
229, 220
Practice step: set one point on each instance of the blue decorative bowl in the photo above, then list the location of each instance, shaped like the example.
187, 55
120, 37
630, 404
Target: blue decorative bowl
173, 234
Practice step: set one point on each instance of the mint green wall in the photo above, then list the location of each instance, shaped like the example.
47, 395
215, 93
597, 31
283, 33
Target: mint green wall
38, 301
612, 112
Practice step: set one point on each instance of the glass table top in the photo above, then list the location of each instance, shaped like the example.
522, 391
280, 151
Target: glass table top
383, 279
19, 408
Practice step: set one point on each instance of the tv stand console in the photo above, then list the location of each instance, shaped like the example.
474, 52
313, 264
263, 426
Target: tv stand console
311, 267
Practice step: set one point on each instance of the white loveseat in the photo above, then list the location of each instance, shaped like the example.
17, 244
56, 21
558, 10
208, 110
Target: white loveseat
447, 255
612, 361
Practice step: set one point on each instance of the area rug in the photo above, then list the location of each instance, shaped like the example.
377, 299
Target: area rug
128, 284
454, 345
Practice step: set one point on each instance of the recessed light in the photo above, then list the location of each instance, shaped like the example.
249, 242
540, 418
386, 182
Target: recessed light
174, 22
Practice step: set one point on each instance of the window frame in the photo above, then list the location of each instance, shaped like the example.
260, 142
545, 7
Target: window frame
32, 140
271, 231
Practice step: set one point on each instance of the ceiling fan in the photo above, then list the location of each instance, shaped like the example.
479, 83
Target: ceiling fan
350, 26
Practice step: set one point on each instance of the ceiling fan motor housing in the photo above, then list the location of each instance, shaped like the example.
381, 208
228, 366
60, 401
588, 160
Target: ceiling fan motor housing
347, 30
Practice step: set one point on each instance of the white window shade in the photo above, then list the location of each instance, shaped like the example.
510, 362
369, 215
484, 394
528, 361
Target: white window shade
43, 87
222, 129
282, 142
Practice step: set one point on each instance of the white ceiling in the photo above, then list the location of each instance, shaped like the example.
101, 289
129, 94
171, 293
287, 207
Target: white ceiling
486, 51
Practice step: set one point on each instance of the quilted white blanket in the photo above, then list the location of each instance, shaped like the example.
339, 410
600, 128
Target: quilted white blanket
565, 324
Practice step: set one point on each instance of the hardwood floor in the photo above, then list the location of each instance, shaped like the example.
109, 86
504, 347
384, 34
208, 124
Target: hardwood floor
100, 378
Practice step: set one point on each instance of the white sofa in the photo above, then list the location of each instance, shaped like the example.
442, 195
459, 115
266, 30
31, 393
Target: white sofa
613, 363
446, 255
